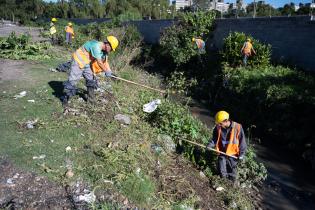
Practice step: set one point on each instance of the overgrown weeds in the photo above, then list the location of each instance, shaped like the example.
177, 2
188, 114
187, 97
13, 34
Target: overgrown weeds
20, 48
231, 52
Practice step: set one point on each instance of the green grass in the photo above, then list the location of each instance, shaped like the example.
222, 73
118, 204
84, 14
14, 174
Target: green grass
106, 154
88, 134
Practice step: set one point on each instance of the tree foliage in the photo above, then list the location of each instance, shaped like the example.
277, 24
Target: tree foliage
233, 44
176, 41
26, 10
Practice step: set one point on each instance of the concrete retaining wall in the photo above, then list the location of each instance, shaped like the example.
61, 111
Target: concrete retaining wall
292, 38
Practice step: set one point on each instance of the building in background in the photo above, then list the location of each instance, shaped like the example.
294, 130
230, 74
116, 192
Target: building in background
181, 4
219, 5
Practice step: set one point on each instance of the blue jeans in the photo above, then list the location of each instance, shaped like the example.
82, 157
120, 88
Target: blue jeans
68, 38
245, 59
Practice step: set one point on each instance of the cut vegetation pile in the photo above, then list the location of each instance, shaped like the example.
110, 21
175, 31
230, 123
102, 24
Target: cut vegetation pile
21, 48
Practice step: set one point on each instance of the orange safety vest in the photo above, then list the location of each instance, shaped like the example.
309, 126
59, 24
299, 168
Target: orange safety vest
248, 48
96, 68
233, 143
82, 57
69, 29
200, 43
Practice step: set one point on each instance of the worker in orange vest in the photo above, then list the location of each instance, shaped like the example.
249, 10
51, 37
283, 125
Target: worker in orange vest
200, 44
247, 50
228, 137
82, 59
69, 33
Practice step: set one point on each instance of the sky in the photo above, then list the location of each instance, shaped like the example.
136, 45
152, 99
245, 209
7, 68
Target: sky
274, 3
279, 3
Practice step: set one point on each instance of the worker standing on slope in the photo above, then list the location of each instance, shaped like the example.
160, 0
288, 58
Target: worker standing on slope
247, 50
69, 33
53, 30
228, 137
91, 52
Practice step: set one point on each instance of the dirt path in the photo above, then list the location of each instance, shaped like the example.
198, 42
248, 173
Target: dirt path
7, 28
13, 70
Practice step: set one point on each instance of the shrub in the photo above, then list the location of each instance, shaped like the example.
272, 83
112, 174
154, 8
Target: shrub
249, 171
233, 44
20, 47
176, 41
269, 97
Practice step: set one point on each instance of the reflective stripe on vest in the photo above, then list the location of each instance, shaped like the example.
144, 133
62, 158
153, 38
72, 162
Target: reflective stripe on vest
200, 43
52, 30
248, 48
233, 143
82, 57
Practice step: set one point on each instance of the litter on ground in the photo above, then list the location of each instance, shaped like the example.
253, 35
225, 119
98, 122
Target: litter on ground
151, 107
20, 95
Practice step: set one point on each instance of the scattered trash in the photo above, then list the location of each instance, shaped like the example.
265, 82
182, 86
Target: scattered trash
89, 198
138, 171
123, 119
69, 174
31, 123
16, 176
20, 95
4, 92
157, 148
151, 107
10, 181
202, 175
31, 101
219, 189
168, 143
233, 205
184, 207
81, 100
53, 70
68, 148
39, 157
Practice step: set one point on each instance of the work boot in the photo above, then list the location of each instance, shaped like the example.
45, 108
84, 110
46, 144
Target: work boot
65, 101
91, 95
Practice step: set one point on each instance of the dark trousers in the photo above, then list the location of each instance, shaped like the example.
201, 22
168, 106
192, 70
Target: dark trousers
227, 167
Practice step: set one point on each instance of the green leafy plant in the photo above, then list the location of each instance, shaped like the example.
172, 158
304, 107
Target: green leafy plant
251, 172
20, 47
233, 44
176, 41
180, 83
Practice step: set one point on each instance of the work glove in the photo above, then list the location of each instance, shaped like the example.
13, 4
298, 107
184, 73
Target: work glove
108, 73
211, 145
241, 158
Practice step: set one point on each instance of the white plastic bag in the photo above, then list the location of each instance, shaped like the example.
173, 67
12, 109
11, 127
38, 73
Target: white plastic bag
151, 107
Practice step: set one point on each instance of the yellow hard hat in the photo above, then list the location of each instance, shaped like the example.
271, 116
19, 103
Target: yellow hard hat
248, 39
221, 116
113, 41
69, 24
54, 19
193, 39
